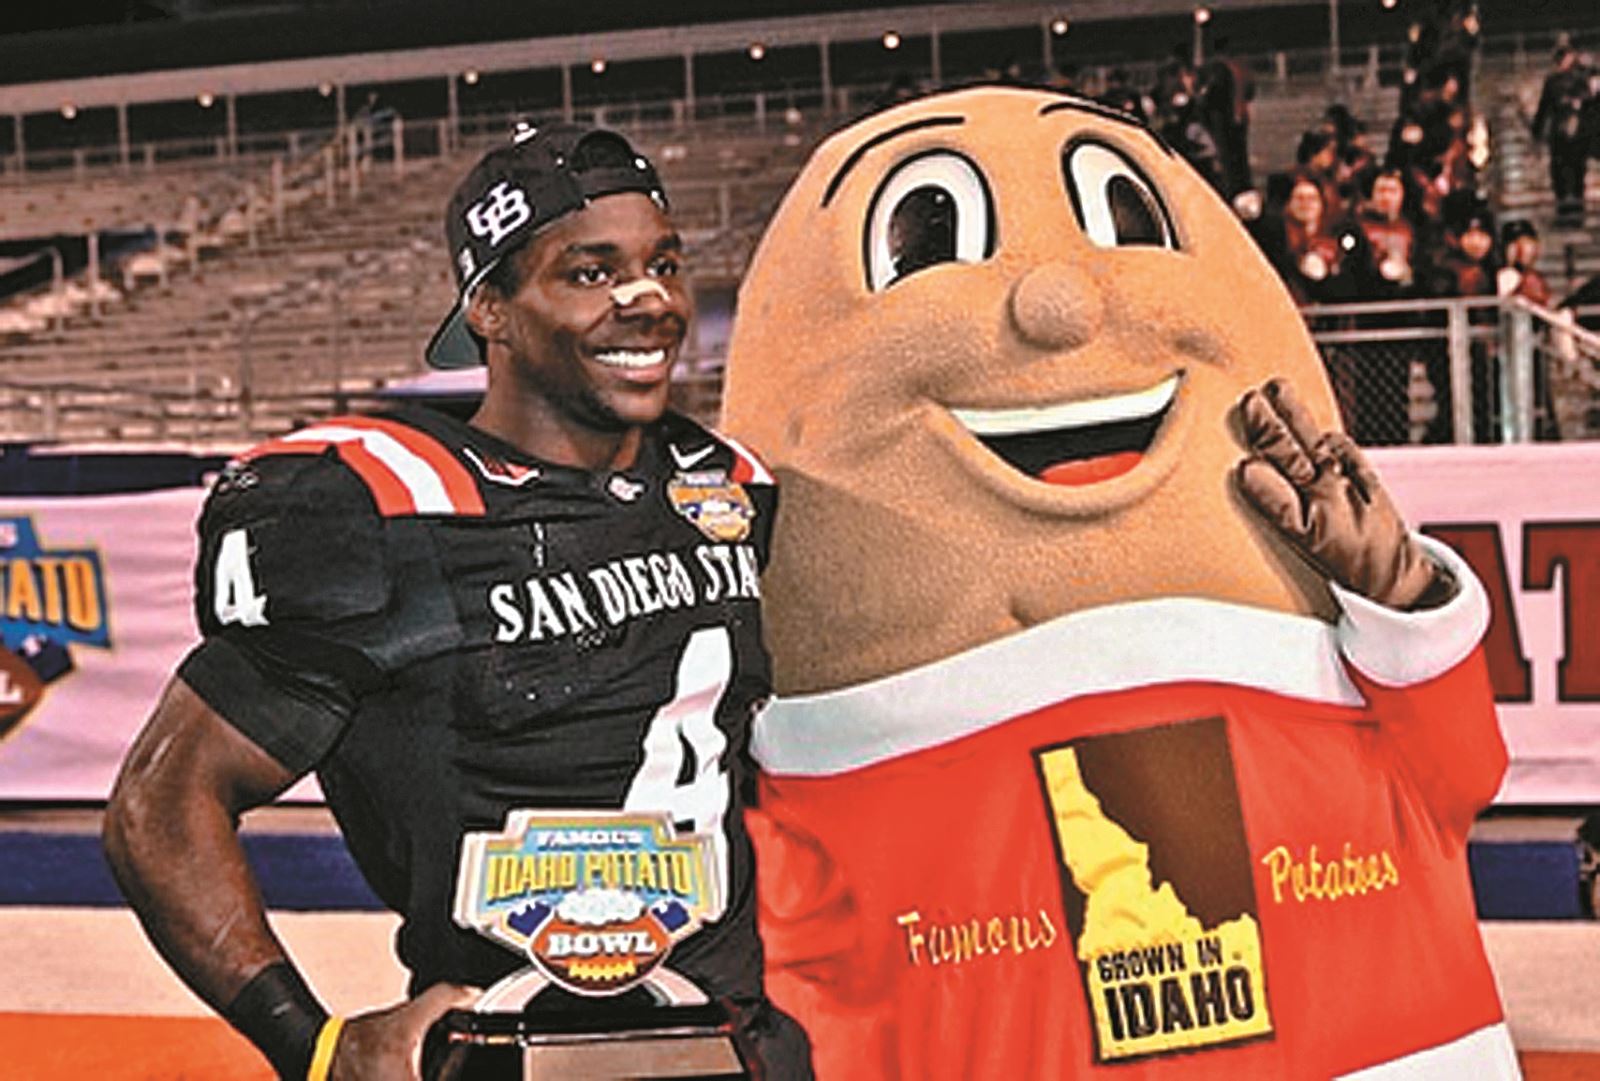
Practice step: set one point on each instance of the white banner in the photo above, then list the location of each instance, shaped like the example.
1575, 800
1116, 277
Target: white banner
95, 608
1528, 519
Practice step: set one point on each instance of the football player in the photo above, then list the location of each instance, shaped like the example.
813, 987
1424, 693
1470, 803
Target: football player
550, 609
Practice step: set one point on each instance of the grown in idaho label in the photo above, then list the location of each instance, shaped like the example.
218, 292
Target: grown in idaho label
1158, 889
596, 901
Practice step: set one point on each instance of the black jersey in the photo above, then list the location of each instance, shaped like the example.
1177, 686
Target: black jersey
447, 630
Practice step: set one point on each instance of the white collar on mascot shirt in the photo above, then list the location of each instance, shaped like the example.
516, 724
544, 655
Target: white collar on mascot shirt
1120, 647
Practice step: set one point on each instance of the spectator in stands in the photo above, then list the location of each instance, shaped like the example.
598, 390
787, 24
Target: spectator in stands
1356, 164
1392, 245
1312, 251
1421, 40
902, 88
1261, 214
1009, 72
1458, 40
1588, 841
1440, 45
1180, 120
1066, 79
1389, 394
1465, 264
1317, 157
1559, 121
1520, 277
1227, 89
1456, 167
1408, 151
1425, 136
1175, 76
1449, 83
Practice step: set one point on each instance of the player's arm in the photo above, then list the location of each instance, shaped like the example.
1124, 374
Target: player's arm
171, 838
291, 601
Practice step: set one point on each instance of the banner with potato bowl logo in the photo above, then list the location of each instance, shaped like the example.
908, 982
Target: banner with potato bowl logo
596, 901
95, 611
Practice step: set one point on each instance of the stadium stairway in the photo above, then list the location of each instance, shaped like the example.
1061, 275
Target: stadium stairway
88, 997
1280, 118
1569, 255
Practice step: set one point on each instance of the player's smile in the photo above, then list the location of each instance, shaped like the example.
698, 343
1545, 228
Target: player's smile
632, 359
1075, 442
637, 366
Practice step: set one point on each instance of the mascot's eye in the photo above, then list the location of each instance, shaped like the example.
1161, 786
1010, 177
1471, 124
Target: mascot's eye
932, 209
1115, 204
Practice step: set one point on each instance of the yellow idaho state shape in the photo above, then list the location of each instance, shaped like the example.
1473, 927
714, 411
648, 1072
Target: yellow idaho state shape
1130, 922
990, 345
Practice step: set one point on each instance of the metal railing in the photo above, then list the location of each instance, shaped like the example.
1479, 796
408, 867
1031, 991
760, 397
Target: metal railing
1411, 371
1554, 390
1465, 370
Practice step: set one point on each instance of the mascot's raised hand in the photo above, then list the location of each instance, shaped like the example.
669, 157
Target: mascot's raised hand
1322, 495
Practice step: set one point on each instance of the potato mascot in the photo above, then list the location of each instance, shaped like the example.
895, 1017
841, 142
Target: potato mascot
1123, 731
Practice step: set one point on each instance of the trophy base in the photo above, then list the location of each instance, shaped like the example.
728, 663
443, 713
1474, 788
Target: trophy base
636, 1042
706, 1056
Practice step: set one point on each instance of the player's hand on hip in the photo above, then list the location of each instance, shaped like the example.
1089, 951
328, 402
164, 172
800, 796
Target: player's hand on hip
1318, 491
386, 1045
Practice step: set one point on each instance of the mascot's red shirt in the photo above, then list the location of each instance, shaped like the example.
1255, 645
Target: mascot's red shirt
1167, 838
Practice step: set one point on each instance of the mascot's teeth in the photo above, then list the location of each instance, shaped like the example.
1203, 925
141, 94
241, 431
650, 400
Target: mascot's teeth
1139, 405
629, 358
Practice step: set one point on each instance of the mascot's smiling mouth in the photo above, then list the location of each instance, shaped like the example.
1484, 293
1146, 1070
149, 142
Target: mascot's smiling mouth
1075, 443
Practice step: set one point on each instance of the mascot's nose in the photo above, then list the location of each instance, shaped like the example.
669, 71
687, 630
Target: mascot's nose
1056, 306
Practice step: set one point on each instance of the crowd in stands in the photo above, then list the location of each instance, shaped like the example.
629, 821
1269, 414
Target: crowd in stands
1405, 220
1347, 226
1350, 223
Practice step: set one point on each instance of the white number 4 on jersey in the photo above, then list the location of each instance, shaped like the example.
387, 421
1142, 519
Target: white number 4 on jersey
690, 718
234, 596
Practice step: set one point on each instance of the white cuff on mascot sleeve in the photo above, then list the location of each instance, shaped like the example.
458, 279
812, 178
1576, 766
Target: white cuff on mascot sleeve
1396, 648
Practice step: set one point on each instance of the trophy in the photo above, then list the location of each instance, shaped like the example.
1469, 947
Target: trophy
595, 902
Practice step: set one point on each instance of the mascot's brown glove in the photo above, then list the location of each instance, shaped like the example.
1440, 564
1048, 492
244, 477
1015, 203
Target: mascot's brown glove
1320, 493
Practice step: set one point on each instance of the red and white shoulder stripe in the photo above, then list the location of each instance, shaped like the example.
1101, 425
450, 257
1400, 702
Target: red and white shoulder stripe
407, 471
747, 467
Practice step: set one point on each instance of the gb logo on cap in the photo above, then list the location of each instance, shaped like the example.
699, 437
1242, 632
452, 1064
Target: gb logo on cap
499, 213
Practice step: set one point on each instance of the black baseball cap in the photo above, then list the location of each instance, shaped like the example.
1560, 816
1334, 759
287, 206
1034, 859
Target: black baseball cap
515, 190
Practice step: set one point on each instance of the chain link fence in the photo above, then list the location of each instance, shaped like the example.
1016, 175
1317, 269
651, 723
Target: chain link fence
1565, 369
1446, 371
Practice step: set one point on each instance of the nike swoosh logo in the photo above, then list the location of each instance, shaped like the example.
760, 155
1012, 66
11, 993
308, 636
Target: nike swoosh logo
689, 461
